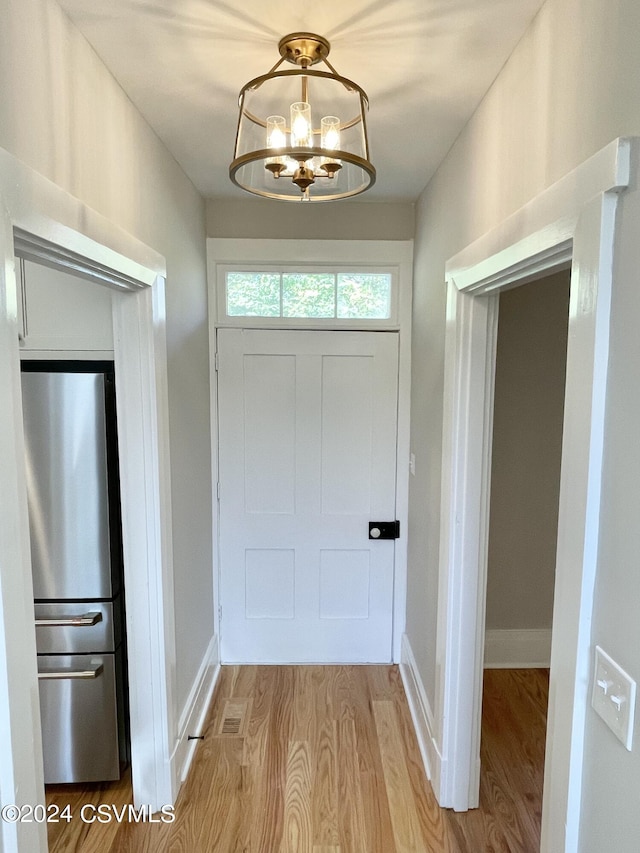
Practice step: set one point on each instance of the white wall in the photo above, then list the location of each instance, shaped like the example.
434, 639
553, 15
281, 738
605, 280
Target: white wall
570, 87
63, 115
611, 776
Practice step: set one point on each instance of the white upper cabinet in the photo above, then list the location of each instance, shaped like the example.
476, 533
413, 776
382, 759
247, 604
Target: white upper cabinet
63, 312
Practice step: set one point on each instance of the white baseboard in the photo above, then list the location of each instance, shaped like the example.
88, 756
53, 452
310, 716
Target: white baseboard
421, 714
195, 709
517, 649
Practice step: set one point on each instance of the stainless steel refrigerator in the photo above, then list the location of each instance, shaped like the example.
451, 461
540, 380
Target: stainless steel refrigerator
76, 555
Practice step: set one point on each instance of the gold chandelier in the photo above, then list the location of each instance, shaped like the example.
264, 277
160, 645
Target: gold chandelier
281, 151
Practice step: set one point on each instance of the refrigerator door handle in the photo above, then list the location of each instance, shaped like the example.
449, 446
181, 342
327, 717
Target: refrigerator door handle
66, 673
87, 619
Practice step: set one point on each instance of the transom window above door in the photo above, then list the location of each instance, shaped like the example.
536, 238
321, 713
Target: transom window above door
315, 296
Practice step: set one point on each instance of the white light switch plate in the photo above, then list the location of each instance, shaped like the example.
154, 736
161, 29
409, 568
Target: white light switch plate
614, 697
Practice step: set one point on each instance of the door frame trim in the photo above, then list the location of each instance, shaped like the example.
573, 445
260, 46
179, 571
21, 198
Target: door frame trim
398, 253
32, 205
574, 219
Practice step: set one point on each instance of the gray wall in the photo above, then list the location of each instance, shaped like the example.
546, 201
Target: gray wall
570, 87
63, 114
344, 220
531, 361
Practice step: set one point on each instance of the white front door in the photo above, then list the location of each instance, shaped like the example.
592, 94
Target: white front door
307, 431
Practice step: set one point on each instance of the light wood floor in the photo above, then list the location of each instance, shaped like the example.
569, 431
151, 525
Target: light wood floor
324, 760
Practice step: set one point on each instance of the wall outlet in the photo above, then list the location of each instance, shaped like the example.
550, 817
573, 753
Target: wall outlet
614, 697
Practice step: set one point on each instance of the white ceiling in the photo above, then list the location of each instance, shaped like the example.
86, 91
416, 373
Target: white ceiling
425, 65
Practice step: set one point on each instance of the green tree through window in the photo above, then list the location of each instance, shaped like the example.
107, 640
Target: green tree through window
311, 295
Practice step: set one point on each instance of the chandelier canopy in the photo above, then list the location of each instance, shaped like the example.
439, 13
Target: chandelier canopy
302, 133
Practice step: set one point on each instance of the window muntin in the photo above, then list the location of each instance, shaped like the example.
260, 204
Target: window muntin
309, 295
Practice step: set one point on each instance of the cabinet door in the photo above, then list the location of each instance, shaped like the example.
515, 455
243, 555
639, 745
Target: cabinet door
64, 312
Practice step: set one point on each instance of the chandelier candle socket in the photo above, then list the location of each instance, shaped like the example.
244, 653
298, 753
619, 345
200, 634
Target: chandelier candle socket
322, 154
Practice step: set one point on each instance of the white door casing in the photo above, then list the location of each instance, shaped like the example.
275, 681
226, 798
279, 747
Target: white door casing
41, 213
307, 457
352, 253
574, 219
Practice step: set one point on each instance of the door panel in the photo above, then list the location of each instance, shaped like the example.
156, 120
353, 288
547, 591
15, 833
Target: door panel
307, 426
347, 409
269, 425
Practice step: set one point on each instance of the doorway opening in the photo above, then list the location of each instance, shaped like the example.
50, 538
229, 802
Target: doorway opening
528, 412
526, 461
73, 309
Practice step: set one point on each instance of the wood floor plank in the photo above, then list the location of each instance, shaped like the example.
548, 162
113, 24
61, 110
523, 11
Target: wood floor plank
219, 801
374, 795
431, 817
253, 778
242, 681
384, 681
269, 828
351, 823
129, 839
326, 761
255, 742
63, 835
512, 760
304, 707
297, 832
406, 828
324, 795
325, 691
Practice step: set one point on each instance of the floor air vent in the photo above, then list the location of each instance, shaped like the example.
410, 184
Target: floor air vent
235, 718
231, 725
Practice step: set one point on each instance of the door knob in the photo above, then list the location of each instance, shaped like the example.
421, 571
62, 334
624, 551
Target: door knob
374, 533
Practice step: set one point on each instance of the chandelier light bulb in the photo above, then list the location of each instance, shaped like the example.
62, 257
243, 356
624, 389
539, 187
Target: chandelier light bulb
301, 129
276, 132
330, 132
276, 139
330, 141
